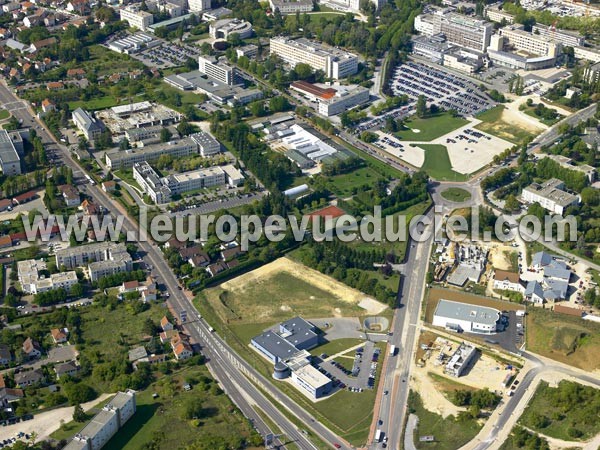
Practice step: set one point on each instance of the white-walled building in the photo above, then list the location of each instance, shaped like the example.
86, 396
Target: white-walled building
332, 100
222, 29
215, 69
135, 17
508, 281
550, 195
199, 5
33, 283
459, 317
292, 6
333, 62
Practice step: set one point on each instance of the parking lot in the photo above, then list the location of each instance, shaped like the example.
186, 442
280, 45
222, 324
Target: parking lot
445, 89
167, 54
363, 372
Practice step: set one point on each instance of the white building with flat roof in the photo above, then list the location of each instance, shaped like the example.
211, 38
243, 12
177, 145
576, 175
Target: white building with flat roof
124, 159
10, 161
292, 6
199, 5
32, 282
333, 62
550, 195
223, 28
459, 317
135, 17
207, 144
217, 70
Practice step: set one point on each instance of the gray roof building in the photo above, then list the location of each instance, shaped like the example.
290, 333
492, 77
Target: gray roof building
10, 162
87, 124
459, 316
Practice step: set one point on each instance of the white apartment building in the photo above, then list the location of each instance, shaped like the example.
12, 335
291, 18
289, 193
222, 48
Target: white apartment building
106, 423
564, 37
199, 5
213, 68
135, 17
550, 195
424, 24
495, 14
34, 283
102, 258
333, 62
291, 6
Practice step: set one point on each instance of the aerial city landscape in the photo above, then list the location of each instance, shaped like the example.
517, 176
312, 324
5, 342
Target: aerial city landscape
299, 224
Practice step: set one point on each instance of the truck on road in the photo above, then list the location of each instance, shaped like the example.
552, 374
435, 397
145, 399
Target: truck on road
378, 434
393, 350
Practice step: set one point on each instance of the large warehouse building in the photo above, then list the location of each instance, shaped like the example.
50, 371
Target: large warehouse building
459, 317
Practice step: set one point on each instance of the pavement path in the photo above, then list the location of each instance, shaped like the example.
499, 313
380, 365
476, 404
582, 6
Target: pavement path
411, 425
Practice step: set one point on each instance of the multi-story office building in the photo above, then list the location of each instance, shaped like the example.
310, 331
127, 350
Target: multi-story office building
520, 39
463, 31
213, 68
495, 14
91, 127
199, 5
10, 161
332, 101
222, 29
424, 24
564, 37
119, 159
162, 189
291, 6
588, 53
106, 423
333, 62
135, 17
207, 144
550, 195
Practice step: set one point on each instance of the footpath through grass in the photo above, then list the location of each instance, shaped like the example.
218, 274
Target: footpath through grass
430, 128
437, 163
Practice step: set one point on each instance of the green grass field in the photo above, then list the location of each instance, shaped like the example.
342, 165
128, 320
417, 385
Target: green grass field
456, 195
563, 412
437, 163
567, 339
493, 124
449, 433
4, 114
430, 128
94, 104
529, 112
343, 185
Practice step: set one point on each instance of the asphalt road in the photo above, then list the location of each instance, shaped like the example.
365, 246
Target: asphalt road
243, 393
552, 134
396, 373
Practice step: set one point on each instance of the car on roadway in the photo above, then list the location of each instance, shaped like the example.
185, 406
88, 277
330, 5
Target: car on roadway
336, 445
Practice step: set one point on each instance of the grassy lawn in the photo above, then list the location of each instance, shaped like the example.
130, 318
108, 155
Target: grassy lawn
448, 386
530, 112
344, 185
437, 163
456, 194
274, 299
4, 114
243, 314
380, 166
316, 16
563, 412
567, 339
93, 104
449, 433
163, 420
430, 128
493, 124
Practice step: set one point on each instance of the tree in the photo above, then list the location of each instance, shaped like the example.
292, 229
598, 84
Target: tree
421, 107
278, 104
76, 290
303, 71
124, 144
79, 414
165, 135
511, 203
185, 128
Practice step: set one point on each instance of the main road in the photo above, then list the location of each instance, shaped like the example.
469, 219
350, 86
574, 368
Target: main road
232, 371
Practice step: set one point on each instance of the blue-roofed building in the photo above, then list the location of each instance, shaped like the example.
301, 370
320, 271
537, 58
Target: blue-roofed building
540, 260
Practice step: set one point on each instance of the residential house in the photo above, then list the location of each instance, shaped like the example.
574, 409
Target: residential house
201, 260
5, 241
55, 86
78, 73
29, 378
166, 336
8, 396
216, 268
109, 186
137, 353
165, 325
230, 253
59, 335
69, 368
31, 349
89, 208
70, 195
129, 286
5, 355
80, 7
507, 281
38, 45
149, 295
48, 105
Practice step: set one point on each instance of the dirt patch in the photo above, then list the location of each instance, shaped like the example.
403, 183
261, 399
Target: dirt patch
432, 397
500, 257
372, 306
